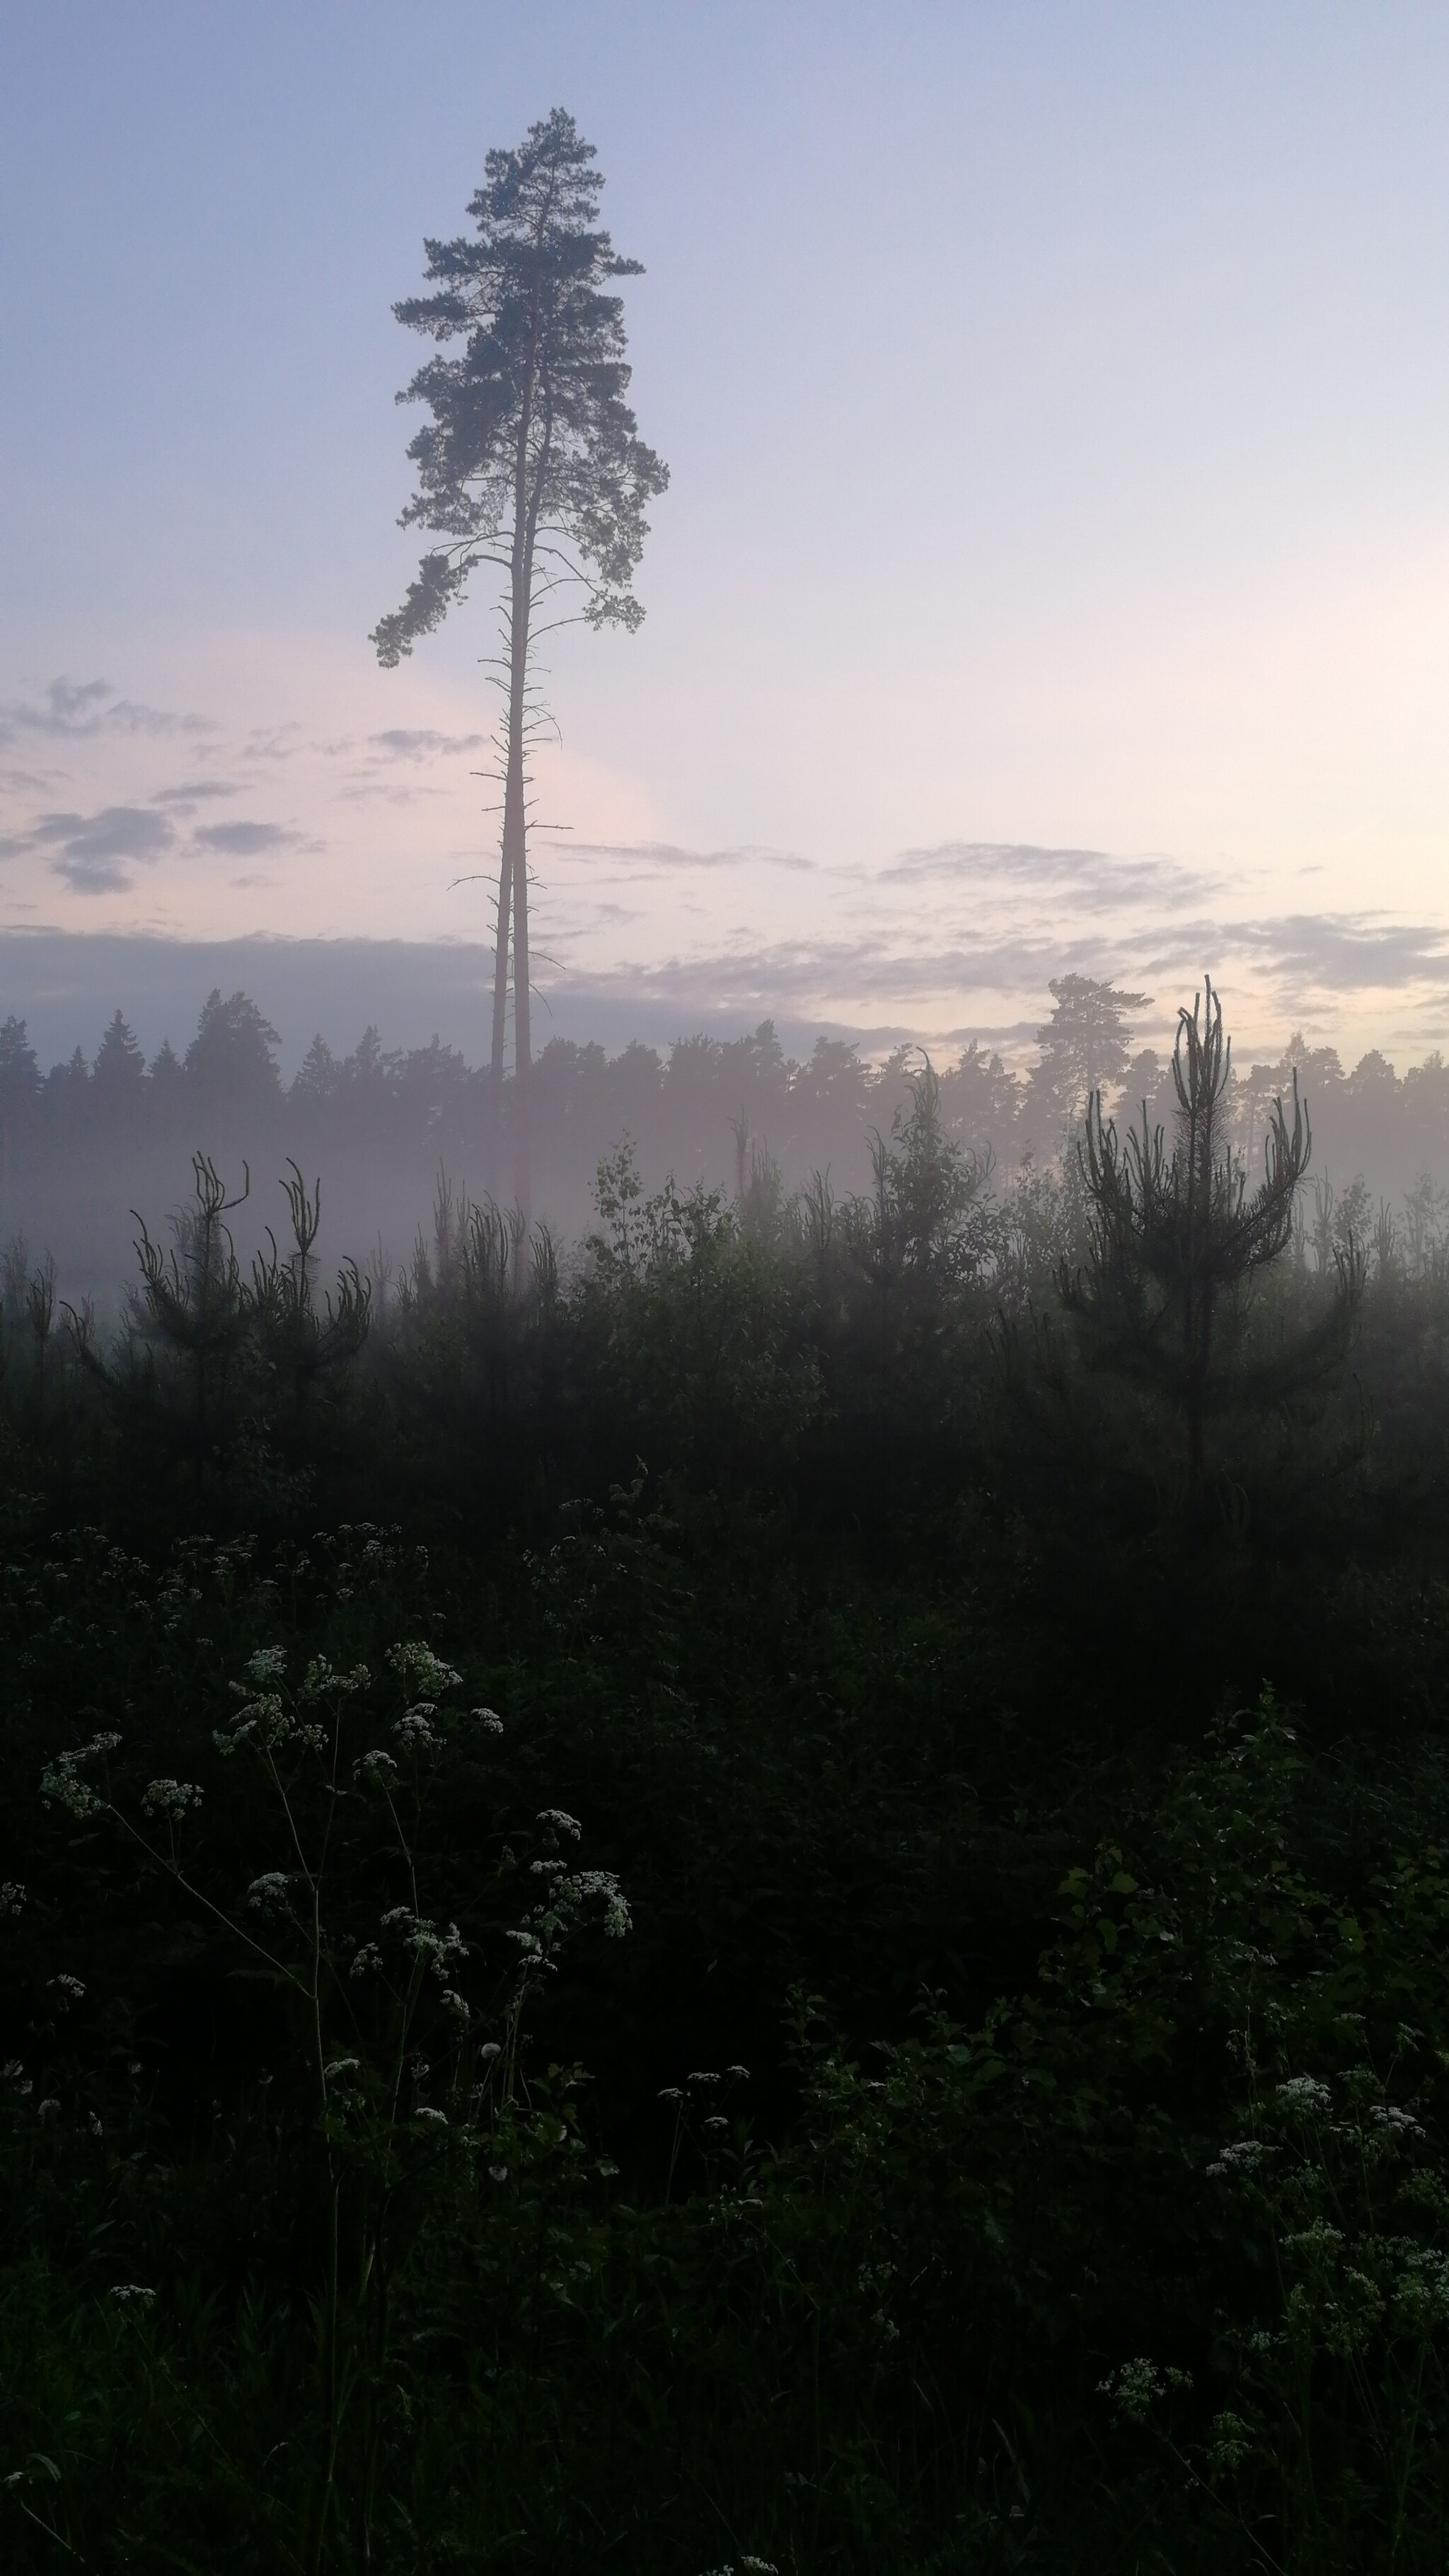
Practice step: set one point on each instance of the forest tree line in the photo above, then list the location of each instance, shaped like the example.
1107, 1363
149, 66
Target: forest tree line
82, 1144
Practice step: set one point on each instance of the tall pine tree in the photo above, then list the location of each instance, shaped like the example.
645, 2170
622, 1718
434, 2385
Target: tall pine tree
530, 463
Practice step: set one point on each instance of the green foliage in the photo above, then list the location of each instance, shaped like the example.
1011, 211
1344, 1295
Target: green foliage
1014, 2132
1143, 2262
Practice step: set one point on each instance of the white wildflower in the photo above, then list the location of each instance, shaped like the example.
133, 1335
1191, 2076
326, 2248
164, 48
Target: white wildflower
268, 1664
425, 2111
420, 1669
1388, 2115
49, 2109
12, 1895
68, 1990
415, 1728
61, 1783
488, 1719
366, 1960
1243, 2156
373, 1766
455, 2004
270, 1889
262, 1722
1133, 2388
321, 1676
601, 1884
561, 1822
1232, 2442
125, 2291
1304, 2093
441, 1950
170, 1798
1320, 2237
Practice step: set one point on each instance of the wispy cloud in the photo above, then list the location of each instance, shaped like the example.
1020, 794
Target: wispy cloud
90, 851
246, 840
420, 742
1348, 952
644, 857
1095, 878
272, 742
190, 792
75, 710
94, 853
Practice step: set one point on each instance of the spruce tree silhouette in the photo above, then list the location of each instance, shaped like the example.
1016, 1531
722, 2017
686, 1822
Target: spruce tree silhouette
1175, 1243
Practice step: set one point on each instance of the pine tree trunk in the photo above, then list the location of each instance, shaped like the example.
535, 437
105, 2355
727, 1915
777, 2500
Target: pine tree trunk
515, 862
500, 1010
513, 878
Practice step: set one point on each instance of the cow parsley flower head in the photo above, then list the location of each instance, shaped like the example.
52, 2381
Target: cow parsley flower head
269, 1890
12, 1896
1243, 2156
561, 1822
488, 1719
1133, 2389
321, 1677
171, 1798
374, 1766
68, 1990
366, 1961
268, 1664
421, 1670
62, 1783
262, 1722
1304, 2093
437, 1950
126, 2291
415, 1727
1400, 2123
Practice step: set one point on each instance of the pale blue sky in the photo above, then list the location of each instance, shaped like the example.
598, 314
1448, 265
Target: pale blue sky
1057, 400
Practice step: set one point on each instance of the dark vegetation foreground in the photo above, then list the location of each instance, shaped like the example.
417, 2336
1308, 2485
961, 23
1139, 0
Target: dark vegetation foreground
780, 1901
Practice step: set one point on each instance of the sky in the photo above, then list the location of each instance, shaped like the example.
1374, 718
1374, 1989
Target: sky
1055, 568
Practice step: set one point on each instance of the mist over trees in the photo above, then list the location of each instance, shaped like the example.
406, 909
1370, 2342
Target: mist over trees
82, 1144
